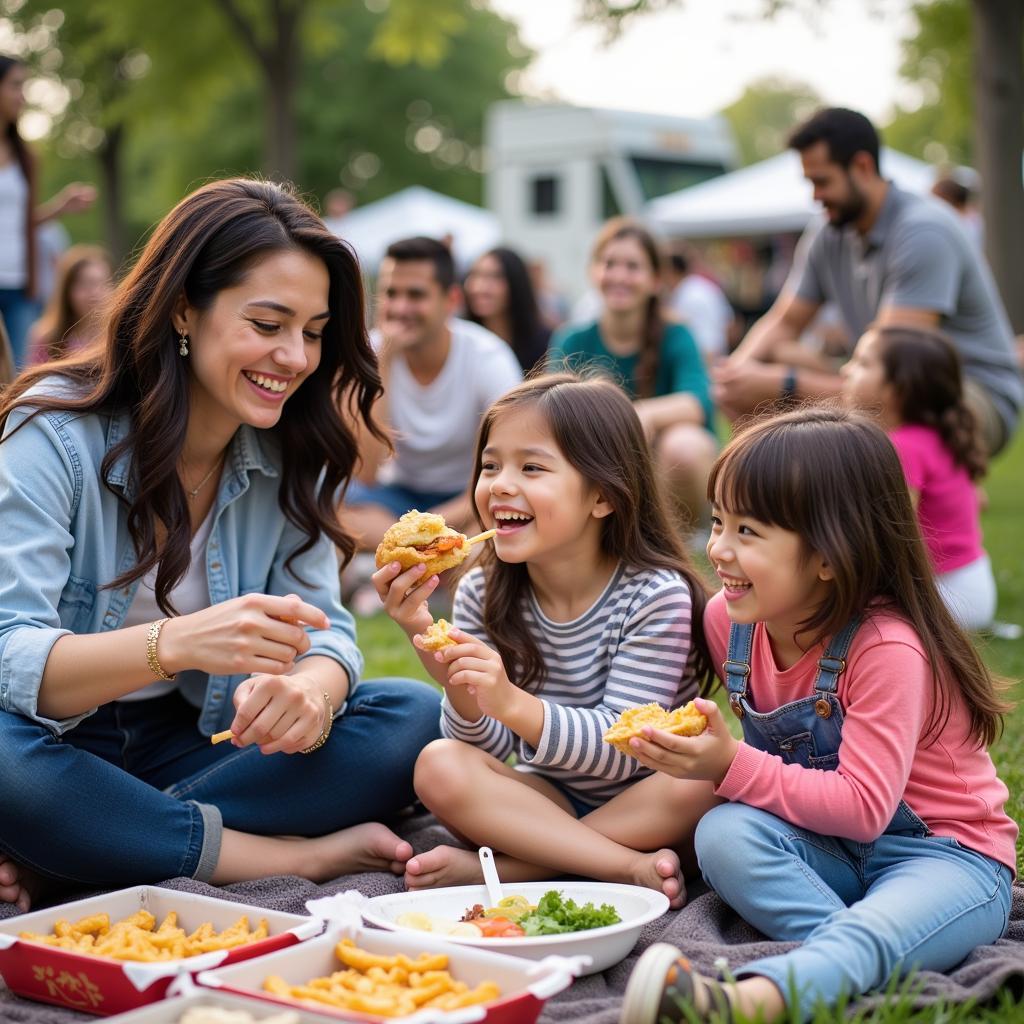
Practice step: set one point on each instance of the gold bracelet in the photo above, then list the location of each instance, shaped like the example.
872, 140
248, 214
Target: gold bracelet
151, 640
326, 731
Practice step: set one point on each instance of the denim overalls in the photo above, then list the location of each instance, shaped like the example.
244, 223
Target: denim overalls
806, 731
860, 910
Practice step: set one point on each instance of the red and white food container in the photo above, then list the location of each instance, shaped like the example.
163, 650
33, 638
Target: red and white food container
525, 985
103, 986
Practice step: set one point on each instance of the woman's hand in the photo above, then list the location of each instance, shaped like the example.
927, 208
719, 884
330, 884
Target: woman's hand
707, 756
75, 198
474, 666
405, 596
282, 714
257, 634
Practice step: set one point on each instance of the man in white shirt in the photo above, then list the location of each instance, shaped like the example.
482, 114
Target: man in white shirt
440, 374
701, 305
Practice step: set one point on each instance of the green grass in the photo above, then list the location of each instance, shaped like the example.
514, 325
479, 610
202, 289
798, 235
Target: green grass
388, 653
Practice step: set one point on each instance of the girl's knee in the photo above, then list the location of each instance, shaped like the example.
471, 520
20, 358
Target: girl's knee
726, 835
443, 772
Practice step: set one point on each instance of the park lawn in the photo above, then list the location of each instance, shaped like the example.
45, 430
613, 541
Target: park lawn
388, 653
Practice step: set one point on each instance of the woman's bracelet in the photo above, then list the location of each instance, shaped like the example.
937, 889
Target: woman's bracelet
326, 731
151, 641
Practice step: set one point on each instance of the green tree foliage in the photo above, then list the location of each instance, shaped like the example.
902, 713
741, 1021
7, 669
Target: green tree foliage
762, 118
389, 94
937, 60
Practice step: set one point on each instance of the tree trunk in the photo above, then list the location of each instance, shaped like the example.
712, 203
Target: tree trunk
113, 193
999, 133
280, 70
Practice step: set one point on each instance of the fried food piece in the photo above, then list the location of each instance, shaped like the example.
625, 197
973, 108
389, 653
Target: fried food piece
684, 721
422, 538
138, 938
437, 636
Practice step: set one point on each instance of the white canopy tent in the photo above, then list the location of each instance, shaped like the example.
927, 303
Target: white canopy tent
766, 198
416, 210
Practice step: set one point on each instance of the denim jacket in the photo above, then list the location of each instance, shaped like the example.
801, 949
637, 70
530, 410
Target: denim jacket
64, 535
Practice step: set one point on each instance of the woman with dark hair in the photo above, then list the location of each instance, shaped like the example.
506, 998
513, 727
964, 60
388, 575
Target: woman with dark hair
169, 571
19, 214
657, 363
500, 297
73, 317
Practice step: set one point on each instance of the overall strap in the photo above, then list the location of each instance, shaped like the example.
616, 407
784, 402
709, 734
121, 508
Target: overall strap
832, 664
737, 663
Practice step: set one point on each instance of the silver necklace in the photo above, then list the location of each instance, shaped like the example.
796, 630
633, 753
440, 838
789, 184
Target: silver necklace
202, 483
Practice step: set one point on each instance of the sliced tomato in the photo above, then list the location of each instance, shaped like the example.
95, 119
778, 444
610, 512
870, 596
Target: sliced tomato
499, 928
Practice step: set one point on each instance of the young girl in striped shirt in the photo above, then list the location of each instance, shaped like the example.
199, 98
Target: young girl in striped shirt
587, 605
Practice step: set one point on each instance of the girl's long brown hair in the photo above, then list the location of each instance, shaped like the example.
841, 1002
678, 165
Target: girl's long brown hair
206, 244
59, 318
926, 374
597, 430
833, 477
654, 323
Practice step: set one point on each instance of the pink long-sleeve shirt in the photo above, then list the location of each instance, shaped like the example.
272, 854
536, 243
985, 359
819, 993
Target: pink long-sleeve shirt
887, 694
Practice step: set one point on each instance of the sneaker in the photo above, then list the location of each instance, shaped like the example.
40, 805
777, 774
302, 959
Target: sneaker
665, 988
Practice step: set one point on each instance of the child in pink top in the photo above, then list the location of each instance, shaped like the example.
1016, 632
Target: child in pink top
910, 378
863, 815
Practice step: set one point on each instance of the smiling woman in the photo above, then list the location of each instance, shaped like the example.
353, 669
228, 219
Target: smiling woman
169, 571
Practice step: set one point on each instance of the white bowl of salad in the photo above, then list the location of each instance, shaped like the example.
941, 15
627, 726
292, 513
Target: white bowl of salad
601, 920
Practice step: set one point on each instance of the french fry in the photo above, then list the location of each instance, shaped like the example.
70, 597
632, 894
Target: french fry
137, 938
220, 737
386, 986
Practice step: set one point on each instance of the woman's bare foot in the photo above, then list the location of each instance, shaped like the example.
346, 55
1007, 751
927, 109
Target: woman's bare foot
17, 884
443, 865
369, 847
660, 870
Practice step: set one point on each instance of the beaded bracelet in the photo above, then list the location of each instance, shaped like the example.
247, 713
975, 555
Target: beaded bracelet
151, 640
326, 731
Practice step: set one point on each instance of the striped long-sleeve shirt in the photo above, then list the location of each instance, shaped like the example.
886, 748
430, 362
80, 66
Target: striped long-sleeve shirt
631, 647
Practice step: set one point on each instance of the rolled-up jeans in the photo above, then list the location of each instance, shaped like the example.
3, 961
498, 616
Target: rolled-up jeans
136, 794
862, 911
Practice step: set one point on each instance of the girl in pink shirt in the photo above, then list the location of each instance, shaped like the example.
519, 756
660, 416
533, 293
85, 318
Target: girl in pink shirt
910, 378
863, 816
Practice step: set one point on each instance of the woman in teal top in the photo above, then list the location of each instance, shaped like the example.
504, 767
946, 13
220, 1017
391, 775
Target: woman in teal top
658, 364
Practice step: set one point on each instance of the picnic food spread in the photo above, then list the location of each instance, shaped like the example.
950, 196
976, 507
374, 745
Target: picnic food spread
422, 538
514, 917
684, 721
137, 938
437, 636
388, 986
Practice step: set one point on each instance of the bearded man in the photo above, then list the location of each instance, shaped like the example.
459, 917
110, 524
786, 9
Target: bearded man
879, 255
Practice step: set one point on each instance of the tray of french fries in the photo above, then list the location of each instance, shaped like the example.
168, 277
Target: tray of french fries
111, 953
354, 973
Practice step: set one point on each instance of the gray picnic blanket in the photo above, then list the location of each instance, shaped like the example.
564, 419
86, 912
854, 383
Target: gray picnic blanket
706, 929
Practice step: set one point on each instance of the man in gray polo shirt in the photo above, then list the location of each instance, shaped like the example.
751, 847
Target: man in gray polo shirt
880, 255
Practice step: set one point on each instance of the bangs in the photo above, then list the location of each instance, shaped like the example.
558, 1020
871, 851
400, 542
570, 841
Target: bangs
760, 476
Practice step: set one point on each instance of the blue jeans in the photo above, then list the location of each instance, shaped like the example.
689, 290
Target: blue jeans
19, 313
396, 498
136, 794
861, 910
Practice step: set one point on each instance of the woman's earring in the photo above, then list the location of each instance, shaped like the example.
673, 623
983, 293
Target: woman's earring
183, 344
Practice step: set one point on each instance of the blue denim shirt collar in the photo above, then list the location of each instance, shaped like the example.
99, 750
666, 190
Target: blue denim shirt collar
246, 454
